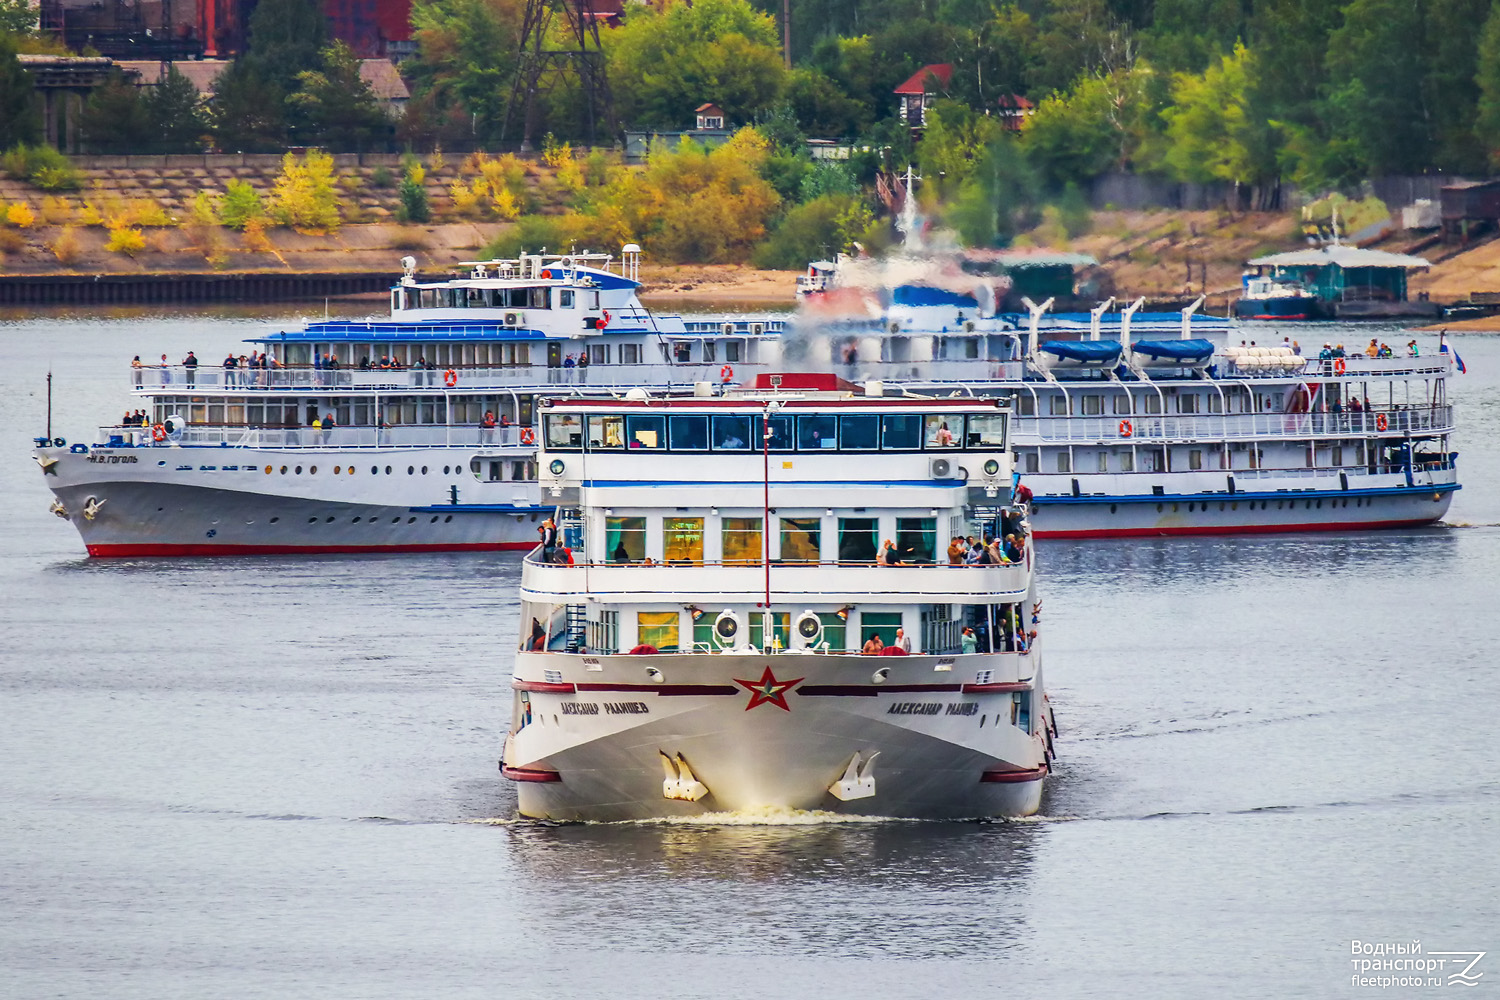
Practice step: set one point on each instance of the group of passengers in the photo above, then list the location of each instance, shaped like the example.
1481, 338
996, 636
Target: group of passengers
967, 550
136, 418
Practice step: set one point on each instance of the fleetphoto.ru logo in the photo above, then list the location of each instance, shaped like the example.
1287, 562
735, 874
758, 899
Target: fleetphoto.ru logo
1385, 965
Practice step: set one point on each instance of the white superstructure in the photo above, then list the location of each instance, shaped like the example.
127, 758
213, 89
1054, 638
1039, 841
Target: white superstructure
694, 641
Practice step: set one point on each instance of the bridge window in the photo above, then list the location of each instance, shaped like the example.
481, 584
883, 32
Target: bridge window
944, 430
607, 431
816, 433
689, 433
732, 434
987, 431
565, 431
859, 433
901, 432
565, 298
646, 432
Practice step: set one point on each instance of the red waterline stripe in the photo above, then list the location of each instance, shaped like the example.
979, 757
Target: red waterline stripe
1013, 777
528, 774
135, 550
1236, 529
997, 688
545, 687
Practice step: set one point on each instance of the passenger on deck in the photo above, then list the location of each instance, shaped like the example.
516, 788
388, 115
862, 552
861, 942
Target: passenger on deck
888, 555
548, 530
538, 640
956, 551
944, 437
975, 553
873, 645
487, 428
135, 370
1411, 349
969, 641
1373, 351
1013, 548
903, 641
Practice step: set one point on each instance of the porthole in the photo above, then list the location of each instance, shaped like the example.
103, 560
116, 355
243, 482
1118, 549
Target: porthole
1221, 504
434, 519
275, 519
312, 520
395, 520
448, 518
1112, 508
1160, 507
299, 470
411, 520
313, 471
338, 470
328, 519
387, 470
374, 470
1320, 503
411, 470
283, 470
351, 470
1235, 505
424, 470
268, 470
356, 520
445, 470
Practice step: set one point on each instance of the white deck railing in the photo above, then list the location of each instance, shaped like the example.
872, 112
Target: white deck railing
1032, 431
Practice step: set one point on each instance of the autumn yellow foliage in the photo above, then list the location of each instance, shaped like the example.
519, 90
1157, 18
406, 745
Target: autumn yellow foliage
126, 240
20, 215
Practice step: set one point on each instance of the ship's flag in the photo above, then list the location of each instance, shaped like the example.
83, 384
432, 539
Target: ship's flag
1461, 367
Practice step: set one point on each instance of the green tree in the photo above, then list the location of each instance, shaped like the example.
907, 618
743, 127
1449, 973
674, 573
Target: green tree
304, 197
818, 228
1376, 70
115, 118
999, 197
465, 62
175, 110
952, 141
248, 113
822, 108
1211, 132
665, 62
18, 118
18, 17
1102, 123
334, 107
1487, 79
287, 37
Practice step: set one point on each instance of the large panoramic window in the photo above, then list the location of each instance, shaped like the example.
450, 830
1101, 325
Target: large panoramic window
987, 431
564, 430
606, 431
858, 539
815, 433
742, 541
689, 433
901, 431
916, 538
656, 628
733, 434
646, 431
859, 433
682, 539
943, 430
801, 539
625, 539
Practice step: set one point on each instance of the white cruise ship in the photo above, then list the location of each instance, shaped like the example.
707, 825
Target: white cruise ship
1125, 424
725, 625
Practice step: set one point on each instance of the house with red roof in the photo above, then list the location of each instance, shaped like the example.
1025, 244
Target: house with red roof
919, 92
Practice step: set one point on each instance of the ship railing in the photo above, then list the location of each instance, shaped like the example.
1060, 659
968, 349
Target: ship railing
1122, 428
1355, 366
467, 437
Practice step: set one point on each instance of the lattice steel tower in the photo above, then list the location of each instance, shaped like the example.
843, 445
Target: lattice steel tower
548, 56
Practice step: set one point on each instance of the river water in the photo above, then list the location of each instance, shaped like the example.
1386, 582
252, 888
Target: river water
277, 777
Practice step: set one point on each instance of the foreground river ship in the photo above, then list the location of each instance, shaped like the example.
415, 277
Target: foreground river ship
418, 431
699, 638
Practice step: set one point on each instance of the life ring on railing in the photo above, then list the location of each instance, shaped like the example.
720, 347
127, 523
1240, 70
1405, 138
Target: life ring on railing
1339, 366
1380, 422
1126, 428
158, 433
528, 436
450, 378
726, 373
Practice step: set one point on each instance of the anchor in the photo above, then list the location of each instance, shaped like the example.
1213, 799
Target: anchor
91, 507
679, 781
58, 509
858, 781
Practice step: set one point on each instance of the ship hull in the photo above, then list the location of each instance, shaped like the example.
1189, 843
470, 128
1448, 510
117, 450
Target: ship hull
946, 751
225, 511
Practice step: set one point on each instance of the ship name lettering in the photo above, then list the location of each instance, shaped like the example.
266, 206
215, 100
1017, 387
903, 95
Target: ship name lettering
106, 459
580, 708
915, 708
964, 708
626, 708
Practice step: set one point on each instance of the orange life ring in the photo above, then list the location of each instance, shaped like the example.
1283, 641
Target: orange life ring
1126, 429
604, 319
1380, 422
726, 373
159, 433
1339, 366
450, 378
528, 436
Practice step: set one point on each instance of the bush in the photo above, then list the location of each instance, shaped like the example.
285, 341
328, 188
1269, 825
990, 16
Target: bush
20, 215
414, 207
409, 241
305, 198
240, 205
531, 233
57, 211
255, 237
126, 240
66, 248
43, 166
382, 177
814, 230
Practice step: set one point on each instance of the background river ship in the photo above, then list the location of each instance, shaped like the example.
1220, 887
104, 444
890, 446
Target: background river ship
273, 777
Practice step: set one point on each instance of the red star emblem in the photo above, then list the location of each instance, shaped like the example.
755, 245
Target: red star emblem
768, 690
